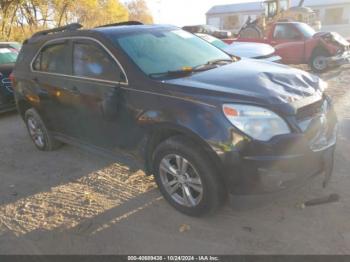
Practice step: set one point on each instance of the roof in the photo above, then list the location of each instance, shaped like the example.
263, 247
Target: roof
258, 7
129, 28
109, 30
232, 8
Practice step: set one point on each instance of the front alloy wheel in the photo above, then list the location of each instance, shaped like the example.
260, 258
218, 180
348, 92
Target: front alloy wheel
181, 180
186, 176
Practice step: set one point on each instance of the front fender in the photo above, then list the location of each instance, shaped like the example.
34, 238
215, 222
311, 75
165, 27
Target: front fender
205, 125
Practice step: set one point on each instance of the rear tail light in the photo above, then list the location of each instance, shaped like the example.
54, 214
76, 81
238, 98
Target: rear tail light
13, 79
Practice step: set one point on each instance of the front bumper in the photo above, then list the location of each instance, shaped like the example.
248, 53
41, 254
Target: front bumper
7, 103
7, 107
285, 161
339, 60
7, 100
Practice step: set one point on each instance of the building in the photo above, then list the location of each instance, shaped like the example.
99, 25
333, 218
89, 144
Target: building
334, 14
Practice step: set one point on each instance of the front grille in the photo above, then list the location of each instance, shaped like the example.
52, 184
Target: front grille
6, 83
309, 111
317, 121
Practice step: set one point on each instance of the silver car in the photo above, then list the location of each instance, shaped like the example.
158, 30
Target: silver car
244, 49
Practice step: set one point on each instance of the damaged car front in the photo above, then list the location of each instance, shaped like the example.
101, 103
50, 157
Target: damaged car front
338, 48
280, 126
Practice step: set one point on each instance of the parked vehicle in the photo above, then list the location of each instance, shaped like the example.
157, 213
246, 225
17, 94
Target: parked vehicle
209, 30
7, 62
279, 11
244, 49
298, 43
201, 122
12, 45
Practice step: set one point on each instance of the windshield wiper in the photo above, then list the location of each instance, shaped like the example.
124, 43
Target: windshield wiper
219, 61
212, 64
179, 72
189, 70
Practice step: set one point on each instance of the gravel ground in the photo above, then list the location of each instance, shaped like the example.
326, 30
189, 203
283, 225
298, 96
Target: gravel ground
74, 202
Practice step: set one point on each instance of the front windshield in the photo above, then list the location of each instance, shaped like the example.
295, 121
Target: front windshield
7, 56
213, 40
219, 44
158, 51
306, 30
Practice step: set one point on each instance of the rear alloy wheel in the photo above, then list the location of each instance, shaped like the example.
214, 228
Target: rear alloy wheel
38, 132
186, 177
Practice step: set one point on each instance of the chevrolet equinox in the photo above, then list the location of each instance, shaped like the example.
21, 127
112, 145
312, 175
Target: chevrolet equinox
204, 123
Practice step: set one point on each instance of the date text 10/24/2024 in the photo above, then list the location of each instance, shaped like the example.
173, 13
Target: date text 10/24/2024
173, 258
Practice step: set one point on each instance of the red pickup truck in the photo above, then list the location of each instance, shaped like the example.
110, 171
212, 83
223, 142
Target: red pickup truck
298, 43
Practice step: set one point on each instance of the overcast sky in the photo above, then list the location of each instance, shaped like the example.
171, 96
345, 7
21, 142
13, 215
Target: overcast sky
184, 12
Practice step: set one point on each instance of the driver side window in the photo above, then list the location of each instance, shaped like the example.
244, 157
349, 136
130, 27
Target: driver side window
89, 60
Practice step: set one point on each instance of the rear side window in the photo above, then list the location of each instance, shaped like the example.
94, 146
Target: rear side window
89, 60
52, 59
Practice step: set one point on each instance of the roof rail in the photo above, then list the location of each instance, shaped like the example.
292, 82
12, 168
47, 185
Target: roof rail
122, 23
69, 27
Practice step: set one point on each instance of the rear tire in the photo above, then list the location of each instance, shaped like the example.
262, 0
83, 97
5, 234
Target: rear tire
38, 132
186, 177
251, 32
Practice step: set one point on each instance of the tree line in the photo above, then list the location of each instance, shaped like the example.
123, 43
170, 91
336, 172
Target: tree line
19, 19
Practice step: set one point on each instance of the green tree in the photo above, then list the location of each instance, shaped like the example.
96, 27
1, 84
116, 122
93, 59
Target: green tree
138, 11
19, 19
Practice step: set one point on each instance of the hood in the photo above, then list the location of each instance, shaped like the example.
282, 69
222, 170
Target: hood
249, 50
257, 80
333, 36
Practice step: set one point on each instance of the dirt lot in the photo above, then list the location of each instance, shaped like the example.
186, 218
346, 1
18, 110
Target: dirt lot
74, 202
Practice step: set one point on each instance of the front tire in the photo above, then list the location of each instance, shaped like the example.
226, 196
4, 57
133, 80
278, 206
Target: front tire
38, 132
318, 61
186, 177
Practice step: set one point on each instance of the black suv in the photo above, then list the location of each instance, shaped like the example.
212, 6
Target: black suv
202, 122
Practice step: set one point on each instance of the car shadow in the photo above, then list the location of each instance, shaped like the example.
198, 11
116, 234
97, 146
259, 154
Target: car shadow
26, 171
8, 113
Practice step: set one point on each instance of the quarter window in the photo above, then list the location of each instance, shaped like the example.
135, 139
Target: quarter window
52, 59
91, 61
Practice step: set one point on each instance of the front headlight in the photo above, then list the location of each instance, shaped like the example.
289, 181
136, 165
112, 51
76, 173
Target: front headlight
257, 122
